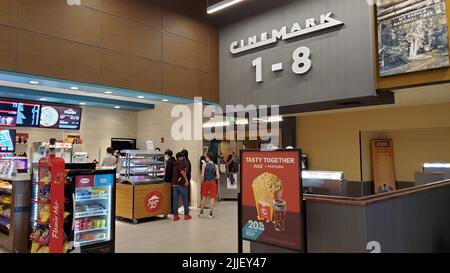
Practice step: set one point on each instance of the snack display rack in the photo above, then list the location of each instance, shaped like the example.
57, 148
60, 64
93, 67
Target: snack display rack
14, 212
48, 234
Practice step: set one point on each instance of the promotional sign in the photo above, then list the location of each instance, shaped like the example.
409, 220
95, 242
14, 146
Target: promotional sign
60, 117
271, 211
383, 165
7, 141
413, 36
52, 170
153, 201
19, 114
104, 180
84, 181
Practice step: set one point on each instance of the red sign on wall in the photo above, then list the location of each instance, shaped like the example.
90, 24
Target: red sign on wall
271, 209
153, 201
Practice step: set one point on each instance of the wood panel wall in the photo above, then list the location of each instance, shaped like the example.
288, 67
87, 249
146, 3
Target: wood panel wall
159, 46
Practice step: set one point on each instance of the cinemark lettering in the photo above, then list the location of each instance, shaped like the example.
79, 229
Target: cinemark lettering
310, 26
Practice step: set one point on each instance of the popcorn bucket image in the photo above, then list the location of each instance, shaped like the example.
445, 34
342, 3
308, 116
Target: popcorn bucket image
266, 188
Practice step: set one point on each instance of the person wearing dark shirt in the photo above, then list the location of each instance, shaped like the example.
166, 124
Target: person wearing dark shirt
187, 162
170, 161
180, 183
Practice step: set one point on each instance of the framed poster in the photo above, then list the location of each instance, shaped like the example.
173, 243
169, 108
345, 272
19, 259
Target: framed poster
412, 36
271, 209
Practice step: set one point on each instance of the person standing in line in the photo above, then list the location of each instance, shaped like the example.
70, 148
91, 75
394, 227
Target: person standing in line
210, 177
109, 161
187, 163
170, 161
180, 183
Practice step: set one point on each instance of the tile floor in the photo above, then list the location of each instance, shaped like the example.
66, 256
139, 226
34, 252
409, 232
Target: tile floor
197, 235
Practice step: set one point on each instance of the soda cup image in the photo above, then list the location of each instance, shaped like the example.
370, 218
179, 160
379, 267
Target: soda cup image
267, 187
279, 214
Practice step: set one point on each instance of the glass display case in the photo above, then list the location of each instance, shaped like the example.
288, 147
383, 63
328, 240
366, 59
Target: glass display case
141, 167
324, 182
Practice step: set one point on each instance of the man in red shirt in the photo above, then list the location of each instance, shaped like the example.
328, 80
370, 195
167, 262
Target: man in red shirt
180, 185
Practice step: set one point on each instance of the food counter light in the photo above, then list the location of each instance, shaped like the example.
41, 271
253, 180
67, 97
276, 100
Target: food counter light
324, 175
436, 165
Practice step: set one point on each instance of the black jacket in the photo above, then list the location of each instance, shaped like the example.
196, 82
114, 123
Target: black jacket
187, 162
169, 170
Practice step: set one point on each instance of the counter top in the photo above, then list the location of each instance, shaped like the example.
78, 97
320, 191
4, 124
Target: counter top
16, 178
363, 201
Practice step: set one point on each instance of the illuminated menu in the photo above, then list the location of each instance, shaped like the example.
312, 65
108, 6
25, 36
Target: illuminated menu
19, 114
60, 117
7, 140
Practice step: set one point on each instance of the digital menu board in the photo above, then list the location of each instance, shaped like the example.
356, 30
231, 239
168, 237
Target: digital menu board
59, 117
19, 114
7, 141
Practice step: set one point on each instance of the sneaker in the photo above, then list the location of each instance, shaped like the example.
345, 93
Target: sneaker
201, 215
187, 217
176, 218
211, 216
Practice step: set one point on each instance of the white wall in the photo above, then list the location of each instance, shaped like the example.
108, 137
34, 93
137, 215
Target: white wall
157, 123
98, 126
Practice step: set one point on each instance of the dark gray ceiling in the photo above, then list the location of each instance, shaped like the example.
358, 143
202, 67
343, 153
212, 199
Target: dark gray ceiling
243, 10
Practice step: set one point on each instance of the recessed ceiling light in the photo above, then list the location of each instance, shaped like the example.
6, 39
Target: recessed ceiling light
34, 82
82, 103
165, 100
141, 97
74, 88
116, 107
222, 5
43, 99
108, 92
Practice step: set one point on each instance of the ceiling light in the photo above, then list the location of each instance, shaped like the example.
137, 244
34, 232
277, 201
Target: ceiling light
74, 88
243, 121
82, 103
165, 100
216, 124
141, 97
222, 5
436, 165
43, 99
116, 107
108, 92
34, 82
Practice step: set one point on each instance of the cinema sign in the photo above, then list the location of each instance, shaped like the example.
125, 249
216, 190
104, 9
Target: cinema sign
301, 62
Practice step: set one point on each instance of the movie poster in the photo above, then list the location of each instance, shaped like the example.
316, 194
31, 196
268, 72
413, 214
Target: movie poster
412, 36
271, 198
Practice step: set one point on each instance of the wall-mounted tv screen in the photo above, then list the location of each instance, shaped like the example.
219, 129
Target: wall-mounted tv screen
19, 114
60, 117
7, 141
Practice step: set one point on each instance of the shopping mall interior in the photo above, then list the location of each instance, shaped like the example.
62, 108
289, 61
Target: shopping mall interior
316, 126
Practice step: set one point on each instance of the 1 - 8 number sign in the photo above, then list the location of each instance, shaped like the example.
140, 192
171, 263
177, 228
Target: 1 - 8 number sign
301, 65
